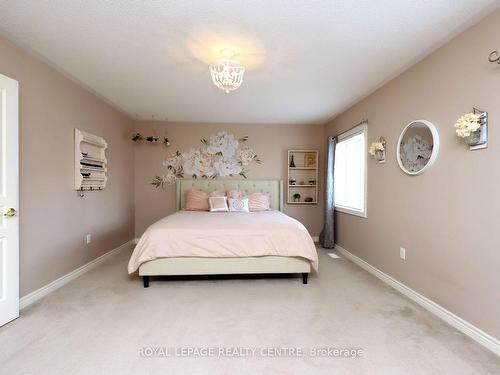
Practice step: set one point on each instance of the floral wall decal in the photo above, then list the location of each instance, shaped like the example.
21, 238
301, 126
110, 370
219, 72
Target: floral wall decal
222, 155
415, 152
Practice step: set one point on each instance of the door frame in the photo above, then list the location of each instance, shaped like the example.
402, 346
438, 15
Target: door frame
10, 149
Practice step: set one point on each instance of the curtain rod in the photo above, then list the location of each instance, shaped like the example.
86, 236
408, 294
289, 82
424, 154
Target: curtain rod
364, 121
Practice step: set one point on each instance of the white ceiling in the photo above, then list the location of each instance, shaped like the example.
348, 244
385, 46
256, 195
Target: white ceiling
307, 60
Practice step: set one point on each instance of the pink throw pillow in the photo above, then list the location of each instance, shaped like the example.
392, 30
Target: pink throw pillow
218, 193
196, 200
259, 202
235, 194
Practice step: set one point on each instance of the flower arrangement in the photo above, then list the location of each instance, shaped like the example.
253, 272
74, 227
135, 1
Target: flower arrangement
220, 155
376, 147
467, 124
377, 150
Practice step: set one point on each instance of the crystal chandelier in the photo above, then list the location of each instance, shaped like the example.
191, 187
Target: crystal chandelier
227, 74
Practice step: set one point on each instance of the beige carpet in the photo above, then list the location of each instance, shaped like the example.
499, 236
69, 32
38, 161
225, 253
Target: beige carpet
98, 323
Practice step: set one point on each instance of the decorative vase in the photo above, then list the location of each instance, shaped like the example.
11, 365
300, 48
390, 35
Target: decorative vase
292, 162
478, 137
296, 199
379, 156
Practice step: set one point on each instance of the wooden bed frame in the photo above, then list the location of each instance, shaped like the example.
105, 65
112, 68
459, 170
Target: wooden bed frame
227, 266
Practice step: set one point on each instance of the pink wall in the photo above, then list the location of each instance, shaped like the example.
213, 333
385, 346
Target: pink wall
446, 218
53, 219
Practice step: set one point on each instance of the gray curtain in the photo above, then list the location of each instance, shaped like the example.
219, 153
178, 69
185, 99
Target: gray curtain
327, 236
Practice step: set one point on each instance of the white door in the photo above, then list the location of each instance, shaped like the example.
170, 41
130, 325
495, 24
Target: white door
9, 222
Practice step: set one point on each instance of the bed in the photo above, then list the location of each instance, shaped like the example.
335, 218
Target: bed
204, 243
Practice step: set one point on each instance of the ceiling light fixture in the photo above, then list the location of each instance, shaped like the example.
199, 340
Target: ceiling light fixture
227, 74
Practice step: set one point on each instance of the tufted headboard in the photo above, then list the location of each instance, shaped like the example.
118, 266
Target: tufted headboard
273, 187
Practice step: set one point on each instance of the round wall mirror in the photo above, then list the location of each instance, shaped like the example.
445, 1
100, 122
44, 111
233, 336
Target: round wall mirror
418, 147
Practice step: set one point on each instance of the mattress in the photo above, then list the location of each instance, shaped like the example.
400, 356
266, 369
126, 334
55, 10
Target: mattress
224, 235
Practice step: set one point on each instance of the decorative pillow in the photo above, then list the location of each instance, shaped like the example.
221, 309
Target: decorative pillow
218, 193
196, 200
259, 202
235, 194
218, 204
238, 204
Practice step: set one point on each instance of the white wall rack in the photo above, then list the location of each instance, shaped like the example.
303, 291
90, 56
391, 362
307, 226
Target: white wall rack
90, 161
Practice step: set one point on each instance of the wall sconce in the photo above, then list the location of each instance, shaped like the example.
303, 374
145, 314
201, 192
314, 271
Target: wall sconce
473, 128
378, 150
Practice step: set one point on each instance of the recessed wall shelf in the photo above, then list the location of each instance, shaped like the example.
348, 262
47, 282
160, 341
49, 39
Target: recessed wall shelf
304, 172
90, 161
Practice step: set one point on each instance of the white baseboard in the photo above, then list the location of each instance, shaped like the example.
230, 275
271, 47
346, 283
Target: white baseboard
63, 280
463, 326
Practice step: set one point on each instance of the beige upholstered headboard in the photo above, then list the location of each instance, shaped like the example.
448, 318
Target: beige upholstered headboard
273, 187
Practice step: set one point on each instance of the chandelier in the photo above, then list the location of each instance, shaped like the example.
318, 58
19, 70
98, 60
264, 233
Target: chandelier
227, 74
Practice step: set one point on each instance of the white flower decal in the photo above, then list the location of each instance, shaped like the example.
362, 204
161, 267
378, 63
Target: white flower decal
223, 144
198, 162
245, 155
415, 153
227, 167
221, 155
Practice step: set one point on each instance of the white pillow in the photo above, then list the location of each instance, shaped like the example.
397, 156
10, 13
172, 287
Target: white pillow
218, 204
238, 205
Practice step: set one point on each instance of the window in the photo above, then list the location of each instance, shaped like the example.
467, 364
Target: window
350, 172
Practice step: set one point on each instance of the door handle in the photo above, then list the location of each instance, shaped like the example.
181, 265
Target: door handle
10, 212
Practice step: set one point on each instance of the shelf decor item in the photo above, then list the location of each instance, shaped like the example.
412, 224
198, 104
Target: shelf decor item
473, 128
302, 176
90, 162
310, 159
378, 150
166, 142
308, 199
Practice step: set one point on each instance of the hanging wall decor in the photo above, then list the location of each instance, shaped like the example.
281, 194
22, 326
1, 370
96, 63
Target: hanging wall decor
222, 155
473, 128
494, 57
378, 150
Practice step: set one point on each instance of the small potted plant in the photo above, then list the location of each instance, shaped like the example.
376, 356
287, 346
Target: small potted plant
471, 128
377, 150
296, 197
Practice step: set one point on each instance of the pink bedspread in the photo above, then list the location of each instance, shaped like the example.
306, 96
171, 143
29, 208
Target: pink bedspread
224, 234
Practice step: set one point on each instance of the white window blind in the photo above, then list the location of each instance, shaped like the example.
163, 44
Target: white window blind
350, 172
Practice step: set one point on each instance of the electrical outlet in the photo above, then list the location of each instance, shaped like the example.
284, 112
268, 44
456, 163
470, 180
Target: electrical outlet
89, 238
402, 253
